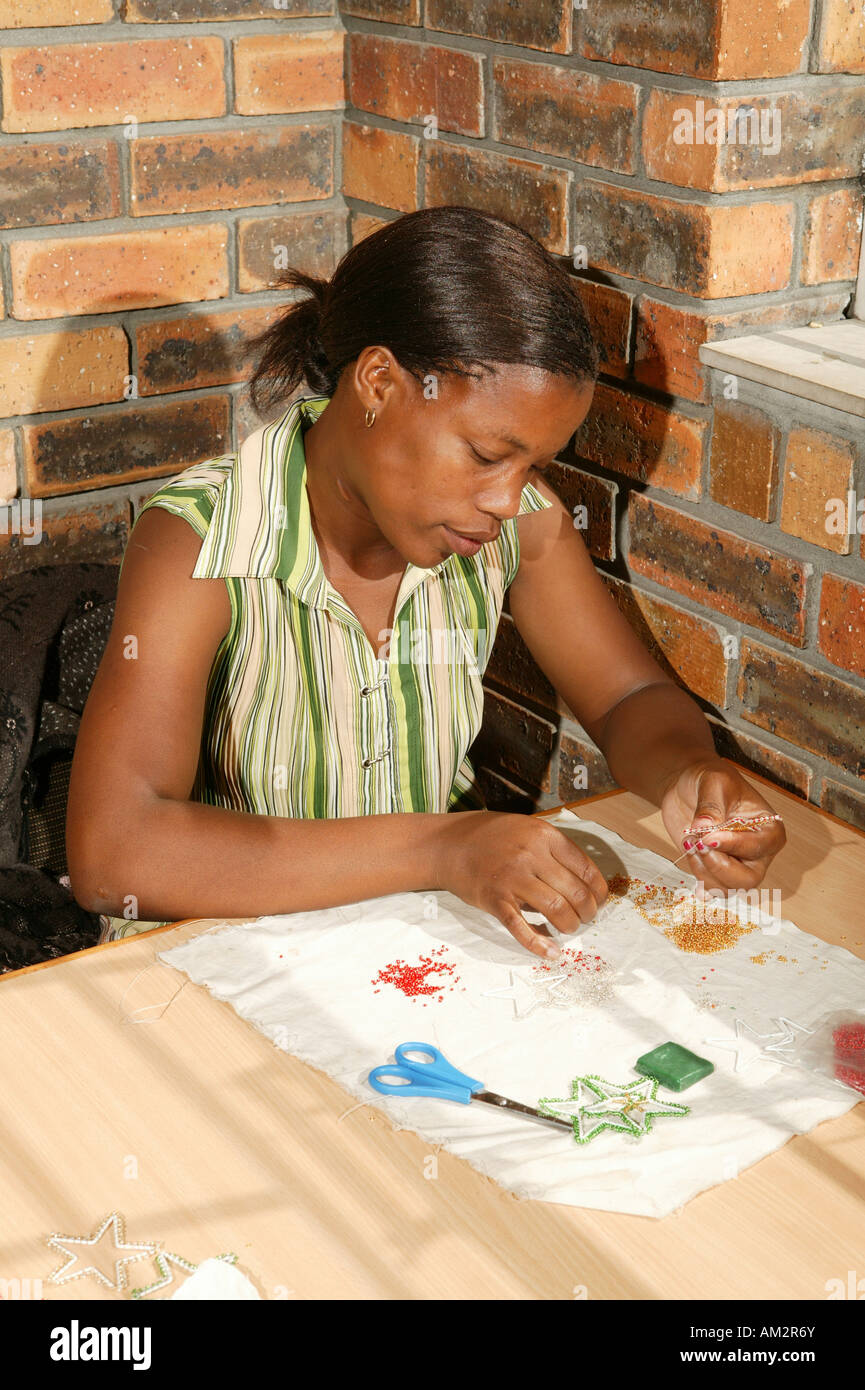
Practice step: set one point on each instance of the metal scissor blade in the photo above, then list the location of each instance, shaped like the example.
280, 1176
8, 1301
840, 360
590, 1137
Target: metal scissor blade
490, 1098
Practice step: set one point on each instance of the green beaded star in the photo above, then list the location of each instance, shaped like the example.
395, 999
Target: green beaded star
595, 1105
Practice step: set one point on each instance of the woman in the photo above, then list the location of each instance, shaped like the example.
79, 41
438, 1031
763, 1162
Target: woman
283, 714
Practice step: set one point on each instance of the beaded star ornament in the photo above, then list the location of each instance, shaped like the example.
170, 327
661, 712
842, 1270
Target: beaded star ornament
140, 1249
65, 1273
595, 1105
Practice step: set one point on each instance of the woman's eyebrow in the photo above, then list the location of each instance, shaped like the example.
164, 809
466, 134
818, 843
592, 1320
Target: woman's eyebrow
517, 443
524, 448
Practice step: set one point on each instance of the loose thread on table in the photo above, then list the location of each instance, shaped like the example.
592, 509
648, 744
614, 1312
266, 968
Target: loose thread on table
130, 1017
345, 1114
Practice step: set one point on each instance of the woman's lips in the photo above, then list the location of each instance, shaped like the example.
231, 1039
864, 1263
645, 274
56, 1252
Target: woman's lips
465, 545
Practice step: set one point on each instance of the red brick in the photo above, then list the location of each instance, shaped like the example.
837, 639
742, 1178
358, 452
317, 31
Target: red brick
380, 166
515, 743
842, 623
407, 81
532, 195
545, 24
743, 467
8, 469
845, 803
841, 37
59, 371
501, 795
687, 647
805, 706
203, 11
817, 468
642, 440
609, 314
278, 73
123, 446
512, 665
231, 169
96, 533
828, 123
668, 337
40, 14
577, 488
182, 354
581, 760
708, 251
84, 84
384, 11
124, 270
758, 757
559, 111
833, 233
44, 184
361, 224
722, 40
718, 569
266, 245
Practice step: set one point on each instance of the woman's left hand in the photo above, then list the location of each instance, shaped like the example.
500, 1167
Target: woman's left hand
705, 795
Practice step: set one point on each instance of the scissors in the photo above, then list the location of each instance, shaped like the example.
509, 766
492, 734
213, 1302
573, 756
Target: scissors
434, 1076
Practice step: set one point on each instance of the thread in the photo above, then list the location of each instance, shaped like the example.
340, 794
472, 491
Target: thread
130, 1017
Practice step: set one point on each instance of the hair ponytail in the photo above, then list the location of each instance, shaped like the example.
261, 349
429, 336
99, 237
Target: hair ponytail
444, 289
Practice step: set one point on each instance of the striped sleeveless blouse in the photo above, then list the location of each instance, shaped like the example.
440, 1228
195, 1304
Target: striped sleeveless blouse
303, 717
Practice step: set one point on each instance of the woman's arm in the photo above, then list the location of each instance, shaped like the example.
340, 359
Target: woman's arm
134, 840
653, 735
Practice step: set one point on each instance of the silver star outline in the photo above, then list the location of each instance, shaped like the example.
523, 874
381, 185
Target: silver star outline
773, 1043
541, 993
58, 1242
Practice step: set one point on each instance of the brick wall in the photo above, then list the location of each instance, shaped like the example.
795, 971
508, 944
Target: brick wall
157, 155
159, 160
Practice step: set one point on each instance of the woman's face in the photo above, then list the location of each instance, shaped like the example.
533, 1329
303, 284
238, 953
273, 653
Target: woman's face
440, 476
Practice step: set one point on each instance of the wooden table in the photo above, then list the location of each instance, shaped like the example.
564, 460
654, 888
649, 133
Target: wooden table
207, 1138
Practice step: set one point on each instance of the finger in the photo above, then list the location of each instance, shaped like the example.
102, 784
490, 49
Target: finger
719, 870
712, 803
533, 940
583, 868
563, 899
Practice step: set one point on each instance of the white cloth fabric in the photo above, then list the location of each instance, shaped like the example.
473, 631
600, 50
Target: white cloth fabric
306, 981
216, 1279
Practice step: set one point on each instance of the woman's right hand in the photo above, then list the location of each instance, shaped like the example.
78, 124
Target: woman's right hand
503, 863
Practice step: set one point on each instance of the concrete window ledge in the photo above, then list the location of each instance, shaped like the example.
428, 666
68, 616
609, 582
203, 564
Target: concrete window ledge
823, 363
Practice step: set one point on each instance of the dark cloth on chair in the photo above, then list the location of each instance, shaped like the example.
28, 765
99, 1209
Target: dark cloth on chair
54, 624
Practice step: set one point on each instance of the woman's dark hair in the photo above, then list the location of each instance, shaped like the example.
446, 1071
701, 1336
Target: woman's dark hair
444, 288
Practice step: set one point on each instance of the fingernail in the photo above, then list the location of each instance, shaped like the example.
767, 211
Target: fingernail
700, 845
713, 844
687, 844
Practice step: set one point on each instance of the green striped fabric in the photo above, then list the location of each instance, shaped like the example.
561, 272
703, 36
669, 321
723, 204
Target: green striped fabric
303, 717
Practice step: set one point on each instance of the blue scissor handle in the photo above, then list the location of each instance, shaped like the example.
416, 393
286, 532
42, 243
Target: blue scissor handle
436, 1077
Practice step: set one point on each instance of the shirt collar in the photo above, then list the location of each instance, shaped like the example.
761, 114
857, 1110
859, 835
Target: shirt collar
261, 526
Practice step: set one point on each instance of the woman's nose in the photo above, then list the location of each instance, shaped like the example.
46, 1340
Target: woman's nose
503, 499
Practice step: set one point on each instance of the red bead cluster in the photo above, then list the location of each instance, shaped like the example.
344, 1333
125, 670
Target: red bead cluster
849, 1040
416, 980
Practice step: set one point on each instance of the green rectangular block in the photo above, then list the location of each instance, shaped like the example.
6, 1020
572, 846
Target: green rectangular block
673, 1066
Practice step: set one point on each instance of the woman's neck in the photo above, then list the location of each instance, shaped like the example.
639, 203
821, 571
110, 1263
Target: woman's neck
342, 523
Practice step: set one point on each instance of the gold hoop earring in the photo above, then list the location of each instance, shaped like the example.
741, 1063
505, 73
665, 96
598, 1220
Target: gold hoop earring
367, 421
